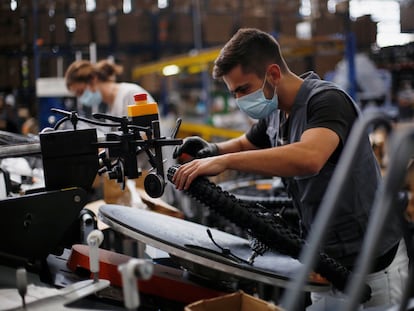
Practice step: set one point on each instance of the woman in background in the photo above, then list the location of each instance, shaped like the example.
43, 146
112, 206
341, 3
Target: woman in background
93, 84
96, 83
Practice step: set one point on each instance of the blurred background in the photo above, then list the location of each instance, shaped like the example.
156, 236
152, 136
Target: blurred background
168, 46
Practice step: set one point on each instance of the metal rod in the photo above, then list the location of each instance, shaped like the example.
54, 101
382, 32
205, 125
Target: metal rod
401, 150
410, 279
291, 297
14, 151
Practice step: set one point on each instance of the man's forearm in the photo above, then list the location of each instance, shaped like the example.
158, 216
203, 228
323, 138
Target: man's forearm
235, 145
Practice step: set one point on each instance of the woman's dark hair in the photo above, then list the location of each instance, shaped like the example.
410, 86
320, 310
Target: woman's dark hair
251, 48
80, 71
83, 71
106, 70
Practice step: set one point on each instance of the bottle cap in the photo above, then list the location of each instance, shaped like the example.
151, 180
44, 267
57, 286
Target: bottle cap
140, 97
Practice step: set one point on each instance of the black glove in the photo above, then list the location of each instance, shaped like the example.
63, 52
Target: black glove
196, 147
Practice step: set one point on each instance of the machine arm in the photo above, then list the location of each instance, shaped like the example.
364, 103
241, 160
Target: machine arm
120, 148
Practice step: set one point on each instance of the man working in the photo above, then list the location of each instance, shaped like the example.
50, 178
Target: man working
303, 125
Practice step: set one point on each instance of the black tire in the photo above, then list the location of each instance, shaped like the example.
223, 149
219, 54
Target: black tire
275, 197
256, 219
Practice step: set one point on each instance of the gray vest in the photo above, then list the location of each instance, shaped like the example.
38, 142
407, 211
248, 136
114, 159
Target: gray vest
345, 235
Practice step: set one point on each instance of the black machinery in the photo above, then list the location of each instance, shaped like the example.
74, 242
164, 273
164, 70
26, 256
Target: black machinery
41, 221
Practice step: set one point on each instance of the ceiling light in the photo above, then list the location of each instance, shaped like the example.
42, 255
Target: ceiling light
170, 70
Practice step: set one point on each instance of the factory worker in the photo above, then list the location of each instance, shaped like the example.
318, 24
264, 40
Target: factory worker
96, 83
303, 124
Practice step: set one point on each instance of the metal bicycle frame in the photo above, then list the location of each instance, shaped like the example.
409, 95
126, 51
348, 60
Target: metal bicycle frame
383, 202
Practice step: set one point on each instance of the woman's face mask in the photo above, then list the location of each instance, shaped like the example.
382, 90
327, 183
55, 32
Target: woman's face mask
256, 105
90, 99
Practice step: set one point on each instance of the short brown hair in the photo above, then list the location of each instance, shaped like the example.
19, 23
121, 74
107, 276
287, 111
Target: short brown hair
251, 48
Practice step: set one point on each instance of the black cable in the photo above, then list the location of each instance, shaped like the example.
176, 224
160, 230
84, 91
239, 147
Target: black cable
226, 251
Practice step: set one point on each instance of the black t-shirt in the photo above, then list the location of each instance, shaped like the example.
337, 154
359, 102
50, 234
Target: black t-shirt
329, 109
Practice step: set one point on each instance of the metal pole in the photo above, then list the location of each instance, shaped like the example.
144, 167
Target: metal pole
35, 37
20, 150
401, 148
350, 53
333, 194
198, 45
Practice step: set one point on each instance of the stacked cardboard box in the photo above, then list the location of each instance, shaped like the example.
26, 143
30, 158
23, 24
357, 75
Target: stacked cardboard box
327, 25
101, 27
60, 30
218, 28
406, 16
365, 30
83, 33
238, 301
263, 22
134, 28
180, 28
10, 29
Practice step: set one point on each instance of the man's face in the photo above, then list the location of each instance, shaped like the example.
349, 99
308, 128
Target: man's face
240, 83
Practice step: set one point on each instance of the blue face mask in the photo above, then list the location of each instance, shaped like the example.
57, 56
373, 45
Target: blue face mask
256, 105
90, 99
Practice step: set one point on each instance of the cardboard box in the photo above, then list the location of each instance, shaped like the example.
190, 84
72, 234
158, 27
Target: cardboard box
146, 5
102, 31
3, 73
134, 28
222, 5
14, 72
365, 30
83, 33
323, 63
218, 28
286, 25
299, 65
262, 22
406, 16
328, 24
286, 7
180, 29
238, 301
182, 6
44, 33
60, 33
10, 29
103, 5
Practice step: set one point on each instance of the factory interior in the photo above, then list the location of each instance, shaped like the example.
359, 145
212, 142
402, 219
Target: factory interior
92, 217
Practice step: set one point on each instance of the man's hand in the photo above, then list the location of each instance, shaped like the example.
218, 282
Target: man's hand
186, 173
196, 147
